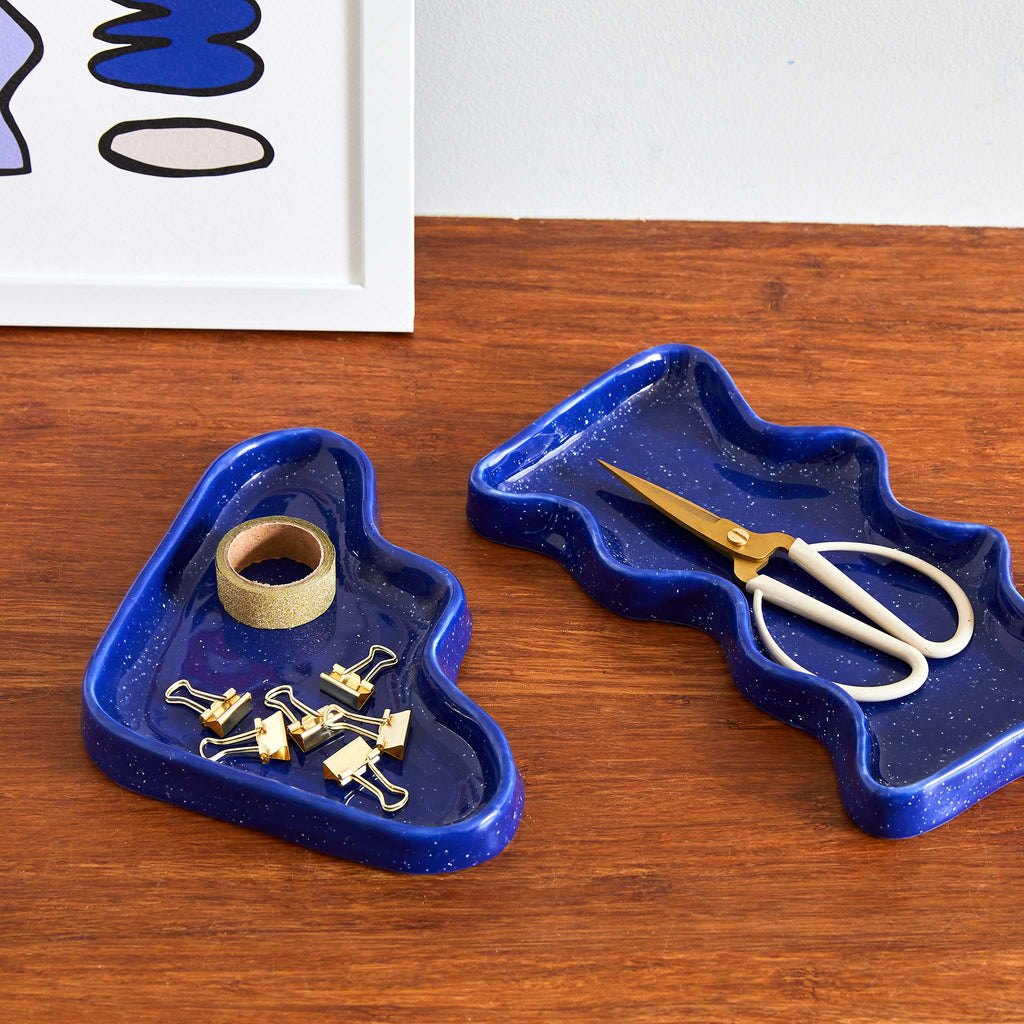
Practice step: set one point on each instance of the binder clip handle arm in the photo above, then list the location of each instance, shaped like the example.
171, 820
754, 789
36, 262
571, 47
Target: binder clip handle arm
172, 696
228, 751
382, 799
390, 659
272, 700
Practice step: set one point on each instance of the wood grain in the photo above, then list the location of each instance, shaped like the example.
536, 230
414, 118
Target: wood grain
682, 855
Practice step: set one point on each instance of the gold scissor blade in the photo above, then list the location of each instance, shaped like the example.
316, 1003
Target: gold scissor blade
748, 550
685, 512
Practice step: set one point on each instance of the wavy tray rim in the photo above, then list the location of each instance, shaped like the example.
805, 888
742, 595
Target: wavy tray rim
484, 497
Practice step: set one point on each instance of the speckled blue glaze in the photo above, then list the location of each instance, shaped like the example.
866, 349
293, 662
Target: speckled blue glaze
466, 793
673, 416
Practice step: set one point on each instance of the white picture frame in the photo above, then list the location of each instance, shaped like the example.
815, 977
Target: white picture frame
364, 284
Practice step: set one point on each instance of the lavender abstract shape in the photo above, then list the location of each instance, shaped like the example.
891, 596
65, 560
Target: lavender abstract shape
183, 47
21, 49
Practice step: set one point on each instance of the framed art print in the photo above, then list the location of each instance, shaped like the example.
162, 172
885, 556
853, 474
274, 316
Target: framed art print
207, 164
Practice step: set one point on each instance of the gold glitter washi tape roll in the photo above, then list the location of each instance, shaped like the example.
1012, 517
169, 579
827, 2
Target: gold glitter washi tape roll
275, 606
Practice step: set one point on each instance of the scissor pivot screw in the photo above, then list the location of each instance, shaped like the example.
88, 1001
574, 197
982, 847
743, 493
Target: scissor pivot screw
738, 536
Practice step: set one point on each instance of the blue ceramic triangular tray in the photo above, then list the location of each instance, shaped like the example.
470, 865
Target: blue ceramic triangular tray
672, 415
466, 794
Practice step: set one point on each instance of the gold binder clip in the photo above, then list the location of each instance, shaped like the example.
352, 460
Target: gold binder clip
351, 763
348, 686
224, 711
271, 742
314, 727
392, 729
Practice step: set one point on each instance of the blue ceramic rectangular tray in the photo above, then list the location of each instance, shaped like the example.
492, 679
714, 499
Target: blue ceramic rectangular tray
673, 416
466, 794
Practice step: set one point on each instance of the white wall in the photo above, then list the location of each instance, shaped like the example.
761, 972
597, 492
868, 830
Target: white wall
881, 111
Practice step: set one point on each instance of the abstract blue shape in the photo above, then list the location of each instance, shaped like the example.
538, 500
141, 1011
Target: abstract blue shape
673, 415
466, 793
184, 47
21, 49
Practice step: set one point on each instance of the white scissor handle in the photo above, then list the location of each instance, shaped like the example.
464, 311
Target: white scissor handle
897, 639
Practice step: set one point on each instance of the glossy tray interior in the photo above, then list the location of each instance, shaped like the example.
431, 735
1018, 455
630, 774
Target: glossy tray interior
466, 794
672, 415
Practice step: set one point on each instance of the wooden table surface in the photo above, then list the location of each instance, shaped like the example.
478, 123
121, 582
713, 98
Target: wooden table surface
724, 881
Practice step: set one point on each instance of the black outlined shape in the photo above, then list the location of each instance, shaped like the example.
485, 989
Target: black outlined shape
128, 45
8, 88
127, 163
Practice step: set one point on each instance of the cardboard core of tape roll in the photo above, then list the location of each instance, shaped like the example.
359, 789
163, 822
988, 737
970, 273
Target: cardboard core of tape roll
275, 606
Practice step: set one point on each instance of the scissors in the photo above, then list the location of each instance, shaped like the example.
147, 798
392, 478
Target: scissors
750, 553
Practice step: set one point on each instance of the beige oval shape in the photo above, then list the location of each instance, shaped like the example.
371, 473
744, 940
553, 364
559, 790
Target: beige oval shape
188, 149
